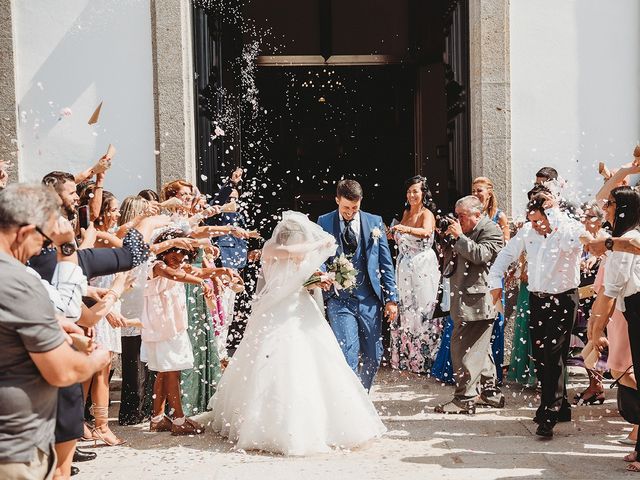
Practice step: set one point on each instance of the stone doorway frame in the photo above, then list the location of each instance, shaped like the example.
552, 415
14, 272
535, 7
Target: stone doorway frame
490, 94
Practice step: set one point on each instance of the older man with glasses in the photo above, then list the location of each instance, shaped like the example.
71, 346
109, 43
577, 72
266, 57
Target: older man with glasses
35, 358
475, 240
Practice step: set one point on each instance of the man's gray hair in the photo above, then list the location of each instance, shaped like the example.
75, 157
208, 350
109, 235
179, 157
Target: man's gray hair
27, 204
470, 204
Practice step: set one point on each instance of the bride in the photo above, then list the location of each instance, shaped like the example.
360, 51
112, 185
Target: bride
288, 388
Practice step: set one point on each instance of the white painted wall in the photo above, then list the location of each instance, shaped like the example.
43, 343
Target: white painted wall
76, 53
575, 89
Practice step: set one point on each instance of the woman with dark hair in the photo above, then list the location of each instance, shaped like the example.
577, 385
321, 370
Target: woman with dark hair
621, 288
414, 335
149, 195
107, 330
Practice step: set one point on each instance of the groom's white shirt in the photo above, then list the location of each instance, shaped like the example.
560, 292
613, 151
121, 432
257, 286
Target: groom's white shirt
355, 225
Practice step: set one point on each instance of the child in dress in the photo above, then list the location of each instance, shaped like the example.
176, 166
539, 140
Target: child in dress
165, 339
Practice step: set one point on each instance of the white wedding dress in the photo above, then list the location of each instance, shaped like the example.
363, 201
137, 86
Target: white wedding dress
288, 388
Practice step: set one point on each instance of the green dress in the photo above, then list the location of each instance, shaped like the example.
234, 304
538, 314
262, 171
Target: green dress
199, 384
522, 367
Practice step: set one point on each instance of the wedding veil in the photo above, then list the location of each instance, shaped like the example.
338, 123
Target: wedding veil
296, 250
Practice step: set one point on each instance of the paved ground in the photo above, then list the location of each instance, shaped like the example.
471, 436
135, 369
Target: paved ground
493, 444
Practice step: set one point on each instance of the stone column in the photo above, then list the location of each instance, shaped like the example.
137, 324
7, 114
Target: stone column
8, 107
171, 34
490, 95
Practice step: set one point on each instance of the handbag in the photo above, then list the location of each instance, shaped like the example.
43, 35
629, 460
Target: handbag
628, 401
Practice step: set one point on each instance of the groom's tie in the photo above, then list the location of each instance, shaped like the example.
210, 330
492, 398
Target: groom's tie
349, 238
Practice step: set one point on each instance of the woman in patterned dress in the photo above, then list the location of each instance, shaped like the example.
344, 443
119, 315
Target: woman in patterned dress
414, 335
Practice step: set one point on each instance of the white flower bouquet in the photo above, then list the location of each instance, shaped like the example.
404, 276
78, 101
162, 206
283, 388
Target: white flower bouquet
341, 272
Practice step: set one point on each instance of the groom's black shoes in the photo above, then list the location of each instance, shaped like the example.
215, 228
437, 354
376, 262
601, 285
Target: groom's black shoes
544, 430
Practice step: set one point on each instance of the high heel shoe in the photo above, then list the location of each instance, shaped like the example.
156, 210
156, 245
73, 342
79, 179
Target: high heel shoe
87, 436
102, 433
594, 398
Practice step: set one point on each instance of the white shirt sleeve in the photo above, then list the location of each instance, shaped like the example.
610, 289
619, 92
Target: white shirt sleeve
70, 284
617, 273
509, 254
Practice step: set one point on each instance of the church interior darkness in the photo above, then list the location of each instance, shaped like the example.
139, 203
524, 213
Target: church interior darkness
370, 90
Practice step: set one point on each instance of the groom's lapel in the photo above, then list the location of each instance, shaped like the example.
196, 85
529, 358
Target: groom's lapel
366, 230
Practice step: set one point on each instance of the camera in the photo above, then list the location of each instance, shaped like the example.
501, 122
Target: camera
443, 222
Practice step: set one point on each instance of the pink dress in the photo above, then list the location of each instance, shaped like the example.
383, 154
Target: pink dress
165, 341
617, 333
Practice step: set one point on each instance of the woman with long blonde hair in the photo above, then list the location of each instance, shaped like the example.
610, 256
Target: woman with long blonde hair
482, 189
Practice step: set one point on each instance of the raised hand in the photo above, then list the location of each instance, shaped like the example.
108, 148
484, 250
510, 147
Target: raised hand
88, 236
102, 165
236, 176
63, 232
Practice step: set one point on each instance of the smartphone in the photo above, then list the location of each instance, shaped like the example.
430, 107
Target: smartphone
83, 216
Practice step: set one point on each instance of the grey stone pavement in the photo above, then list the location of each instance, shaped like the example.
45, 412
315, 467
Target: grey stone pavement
419, 444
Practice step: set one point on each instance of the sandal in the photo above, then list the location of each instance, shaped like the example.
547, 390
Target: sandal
87, 436
631, 457
189, 427
634, 467
585, 399
102, 432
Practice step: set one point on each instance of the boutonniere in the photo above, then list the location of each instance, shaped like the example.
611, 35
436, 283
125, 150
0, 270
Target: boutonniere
376, 233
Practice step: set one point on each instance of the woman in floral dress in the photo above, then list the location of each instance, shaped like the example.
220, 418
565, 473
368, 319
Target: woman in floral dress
414, 335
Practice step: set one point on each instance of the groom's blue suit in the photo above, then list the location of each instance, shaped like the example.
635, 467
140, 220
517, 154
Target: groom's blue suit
356, 315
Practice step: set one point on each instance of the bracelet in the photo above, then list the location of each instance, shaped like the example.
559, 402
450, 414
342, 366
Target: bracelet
113, 292
96, 188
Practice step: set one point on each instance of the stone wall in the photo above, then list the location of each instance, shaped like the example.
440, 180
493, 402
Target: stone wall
8, 111
173, 89
490, 95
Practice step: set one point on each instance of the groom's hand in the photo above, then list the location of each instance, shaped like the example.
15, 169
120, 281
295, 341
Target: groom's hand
391, 311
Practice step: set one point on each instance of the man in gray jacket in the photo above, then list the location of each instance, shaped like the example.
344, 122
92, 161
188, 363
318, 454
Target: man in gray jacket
475, 242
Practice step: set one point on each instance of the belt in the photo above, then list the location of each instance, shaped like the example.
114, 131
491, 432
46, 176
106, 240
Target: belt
548, 295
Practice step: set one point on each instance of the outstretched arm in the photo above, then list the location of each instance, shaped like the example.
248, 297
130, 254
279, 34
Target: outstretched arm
283, 251
616, 179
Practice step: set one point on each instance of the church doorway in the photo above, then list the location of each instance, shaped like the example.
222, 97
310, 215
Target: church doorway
364, 89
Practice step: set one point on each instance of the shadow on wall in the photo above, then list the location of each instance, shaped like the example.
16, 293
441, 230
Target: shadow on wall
105, 54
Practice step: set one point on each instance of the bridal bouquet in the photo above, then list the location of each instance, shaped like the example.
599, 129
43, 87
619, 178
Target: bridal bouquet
341, 272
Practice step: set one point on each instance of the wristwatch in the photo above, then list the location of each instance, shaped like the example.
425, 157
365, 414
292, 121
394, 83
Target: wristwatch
68, 249
608, 243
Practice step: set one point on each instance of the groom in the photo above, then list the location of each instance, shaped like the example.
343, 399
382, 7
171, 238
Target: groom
356, 315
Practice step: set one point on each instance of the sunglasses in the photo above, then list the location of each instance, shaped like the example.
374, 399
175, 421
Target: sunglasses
47, 241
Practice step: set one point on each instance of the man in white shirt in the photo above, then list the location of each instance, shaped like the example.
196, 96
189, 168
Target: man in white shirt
551, 241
